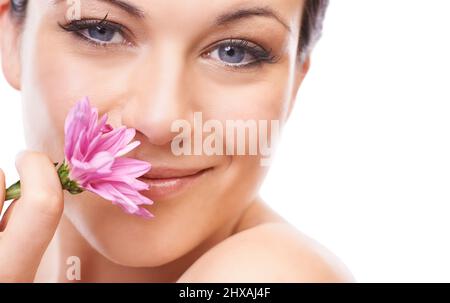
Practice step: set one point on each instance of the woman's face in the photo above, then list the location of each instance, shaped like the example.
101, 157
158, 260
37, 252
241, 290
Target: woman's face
148, 64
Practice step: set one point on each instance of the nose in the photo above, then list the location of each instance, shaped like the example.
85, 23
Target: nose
158, 95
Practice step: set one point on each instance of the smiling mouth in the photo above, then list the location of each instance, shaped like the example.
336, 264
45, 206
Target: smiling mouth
166, 183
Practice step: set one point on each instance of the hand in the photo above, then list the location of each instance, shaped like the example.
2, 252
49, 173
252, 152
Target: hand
29, 222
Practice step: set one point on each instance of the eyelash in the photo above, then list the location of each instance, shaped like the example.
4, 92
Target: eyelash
260, 54
77, 26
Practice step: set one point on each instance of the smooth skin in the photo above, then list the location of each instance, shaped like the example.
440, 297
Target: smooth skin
30, 222
219, 229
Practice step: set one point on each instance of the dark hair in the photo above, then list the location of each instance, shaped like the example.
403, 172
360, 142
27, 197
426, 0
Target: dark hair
312, 22
310, 31
18, 8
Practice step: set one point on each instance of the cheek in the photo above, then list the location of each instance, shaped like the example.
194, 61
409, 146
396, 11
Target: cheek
260, 100
62, 77
53, 80
245, 97
254, 107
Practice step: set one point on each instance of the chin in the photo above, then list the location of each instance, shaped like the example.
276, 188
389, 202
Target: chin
132, 241
137, 254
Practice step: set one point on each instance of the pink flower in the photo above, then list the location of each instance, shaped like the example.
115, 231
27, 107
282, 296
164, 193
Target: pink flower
94, 162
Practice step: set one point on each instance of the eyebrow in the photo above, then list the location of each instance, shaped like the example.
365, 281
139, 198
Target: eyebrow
250, 12
223, 19
124, 5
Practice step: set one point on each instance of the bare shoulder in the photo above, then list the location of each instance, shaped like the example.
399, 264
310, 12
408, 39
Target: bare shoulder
268, 252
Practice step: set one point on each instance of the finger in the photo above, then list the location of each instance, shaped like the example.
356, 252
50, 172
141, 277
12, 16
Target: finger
7, 215
2, 189
36, 214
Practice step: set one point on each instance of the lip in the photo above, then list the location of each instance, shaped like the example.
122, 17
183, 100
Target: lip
166, 182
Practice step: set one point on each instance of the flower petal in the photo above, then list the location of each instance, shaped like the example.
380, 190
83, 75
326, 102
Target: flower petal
94, 150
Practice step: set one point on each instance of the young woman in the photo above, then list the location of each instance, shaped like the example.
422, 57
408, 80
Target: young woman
148, 63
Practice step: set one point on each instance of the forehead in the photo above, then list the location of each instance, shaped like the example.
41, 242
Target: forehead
192, 10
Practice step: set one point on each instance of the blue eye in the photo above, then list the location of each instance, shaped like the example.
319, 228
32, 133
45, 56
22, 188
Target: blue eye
101, 33
231, 54
239, 53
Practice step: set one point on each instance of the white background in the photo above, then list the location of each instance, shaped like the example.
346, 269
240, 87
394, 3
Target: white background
364, 165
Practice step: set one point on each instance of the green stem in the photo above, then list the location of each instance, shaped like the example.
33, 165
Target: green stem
13, 192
